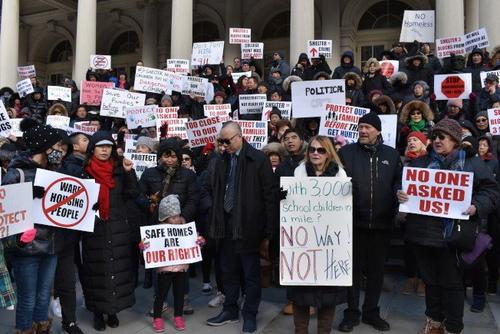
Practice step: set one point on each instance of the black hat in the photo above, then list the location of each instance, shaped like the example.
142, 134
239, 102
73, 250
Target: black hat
101, 137
169, 144
491, 77
372, 119
275, 111
38, 137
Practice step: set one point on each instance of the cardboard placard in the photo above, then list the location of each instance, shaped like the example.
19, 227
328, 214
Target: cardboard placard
446, 46
208, 53
251, 103
100, 62
240, 35
144, 116
114, 102
476, 39
452, 86
176, 127
310, 97
55, 93
494, 121
24, 87
417, 25
318, 47
85, 127
254, 132
285, 108
58, 122
341, 120
252, 50
389, 67
178, 66
26, 71
194, 86
203, 131
15, 214
316, 231
91, 92
218, 110
141, 161
148, 79
5, 123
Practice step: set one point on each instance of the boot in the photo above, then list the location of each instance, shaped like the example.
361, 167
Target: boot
432, 327
301, 319
43, 327
409, 286
478, 303
421, 288
288, 309
32, 330
325, 319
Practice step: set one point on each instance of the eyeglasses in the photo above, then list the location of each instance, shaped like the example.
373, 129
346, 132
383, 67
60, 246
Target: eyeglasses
481, 120
441, 136
222, 141
320, 150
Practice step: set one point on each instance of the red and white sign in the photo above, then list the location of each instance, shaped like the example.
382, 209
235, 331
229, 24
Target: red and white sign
100, 62
252, 50
218, 110
15, 214
67, 202
254, 132
85, 127
389, 67
26, 71
494, 121
341, 120
452, 86
240, 35
285, 107
179, 66
318, 47
437, 192
203, 131
91, 92
446, 46
207, 53
114, 102
176, 127
144, 116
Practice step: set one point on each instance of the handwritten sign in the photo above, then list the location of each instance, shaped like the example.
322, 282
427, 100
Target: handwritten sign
58, 122
91, 92
176, 127
476, 39
237, 75
310, 97
203, 131
341, 120
194, 86
285, 107
148, 79
437, 192
114, 102
494, 121
59, 93
254, 132
179, 66
316, 231
252, 50
24, 87
452, 86
144, 116
169, 244
417, 25
100, 62
15, 215
207, 53
252, 103
446, 46
141, 161
318, 47
26, 71
85, 127
240, 35
15, 123
218, 110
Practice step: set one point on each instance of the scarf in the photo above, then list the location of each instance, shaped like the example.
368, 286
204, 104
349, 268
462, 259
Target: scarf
169, 173
413, 155
417, 126
102, 172
122, 84
331, 170
487, 157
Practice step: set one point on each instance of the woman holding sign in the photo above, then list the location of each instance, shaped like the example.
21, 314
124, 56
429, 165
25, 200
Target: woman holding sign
320, 160
431, 236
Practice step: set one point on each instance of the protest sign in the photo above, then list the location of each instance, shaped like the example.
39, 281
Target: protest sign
114, 102
207, 53
252, 103
254, 132
5, 124
494, 121
237, 75
437, 192
59, 93
203, 131
452, 86
24, 87
85, 127
252, 50
91, 92
178, 66
15, 214
58, 122
218, 110
15, 123
310, 97
194, 86
175, 127
67, 202
130, 146
318, 47
389, 67
446, 46
418, 25
316, 231
484, 74
165, 113
100, 62
240, 35
341, 120
141, 161
285, 107
144, 116
26, 71
389, 129
168, 244
148, 79
476, 39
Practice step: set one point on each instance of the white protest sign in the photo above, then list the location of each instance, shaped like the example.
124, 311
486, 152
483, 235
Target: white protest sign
240, 35
26, 71
389, 129
318, 47
316, 231
483, 76
285, 107
203, 131
144, 116
67, 202
5, 123
310, 97
58, 122
85, 127
179, 66
15, 215
59, 93
91, 92
148, 79
237, 75
207, 53
388, 67
418, 25
24, 87
251, 103
194, 86
437, 192
141, 161
115, 102
176, 127
168, 244
476, 39
218, 110
254, 132
341, 120
452, 86
100, 62
130, 146
252, 50
15, 123
494, 121
446, 46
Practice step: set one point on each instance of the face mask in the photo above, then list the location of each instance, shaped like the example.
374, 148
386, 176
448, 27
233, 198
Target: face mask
54, 157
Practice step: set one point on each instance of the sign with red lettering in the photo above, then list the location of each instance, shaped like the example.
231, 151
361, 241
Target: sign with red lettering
318, 47
254, 132
340, 120
494, 121
452, 86
450, 45
437, 192
169, 244
175, 127
203, 131
389, 67
240, 35
100, 62
91, 92
218, 110
15, 215
67, 202
316, 231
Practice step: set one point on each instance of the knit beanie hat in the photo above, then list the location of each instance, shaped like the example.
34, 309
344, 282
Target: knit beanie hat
449, 126
166, 98
419, 135
456, 103
482, 113
148, 142
169, 207
372, 119
38, 137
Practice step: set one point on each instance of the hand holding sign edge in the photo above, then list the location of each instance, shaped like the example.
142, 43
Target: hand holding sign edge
402, 196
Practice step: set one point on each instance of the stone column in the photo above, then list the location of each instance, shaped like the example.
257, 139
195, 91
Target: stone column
150, 35
330, 27
232, 19
301, 27
182, 29
449, 20
488, 18
85, 38
9, 43
24, 36
471, 15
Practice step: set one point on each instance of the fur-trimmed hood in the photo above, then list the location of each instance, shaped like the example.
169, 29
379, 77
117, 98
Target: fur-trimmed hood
418, 105
423, 84
398, 78
424, 60
276, 148
369, 62
321, 74
288, 81
355, 77
384, 99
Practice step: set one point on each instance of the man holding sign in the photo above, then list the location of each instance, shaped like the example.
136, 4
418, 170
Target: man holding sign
430, 225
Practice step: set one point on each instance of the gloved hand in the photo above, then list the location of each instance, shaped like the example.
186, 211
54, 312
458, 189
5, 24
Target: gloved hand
143, 245
28, 236
283, 194
95, 207
200, 241
38, 192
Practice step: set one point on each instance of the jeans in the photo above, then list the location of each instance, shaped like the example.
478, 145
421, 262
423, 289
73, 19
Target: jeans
34, 278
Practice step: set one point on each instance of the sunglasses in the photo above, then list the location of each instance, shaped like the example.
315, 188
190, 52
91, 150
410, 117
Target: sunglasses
481, 120
441, 136
222, 141
320, 150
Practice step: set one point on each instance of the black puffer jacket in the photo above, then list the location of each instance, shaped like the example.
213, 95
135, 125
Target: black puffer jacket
376, 176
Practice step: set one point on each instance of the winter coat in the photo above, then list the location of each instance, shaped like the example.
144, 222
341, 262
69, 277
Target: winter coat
355, 93
376, 82
344, 68
313, 71
428, 230
433, 63
282, 66
386, 100
427, 114
485, 100
376, 176
420, 73
400, 87
424, 98
475, 70
290, 162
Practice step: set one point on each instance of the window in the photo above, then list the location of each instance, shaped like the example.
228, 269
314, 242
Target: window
205, 31
277, 27
384, 14
127, 42
61, 53
370, 51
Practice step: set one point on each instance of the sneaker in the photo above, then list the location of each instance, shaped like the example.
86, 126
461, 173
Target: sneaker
187, 308
163, 310
249, 326
158, 325
71, 328
377, 322
179, 323
55, 308
347, 324
218, 300
206, 289
223, 318
432, 327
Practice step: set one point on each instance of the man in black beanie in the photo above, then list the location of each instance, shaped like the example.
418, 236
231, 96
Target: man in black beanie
375, 170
